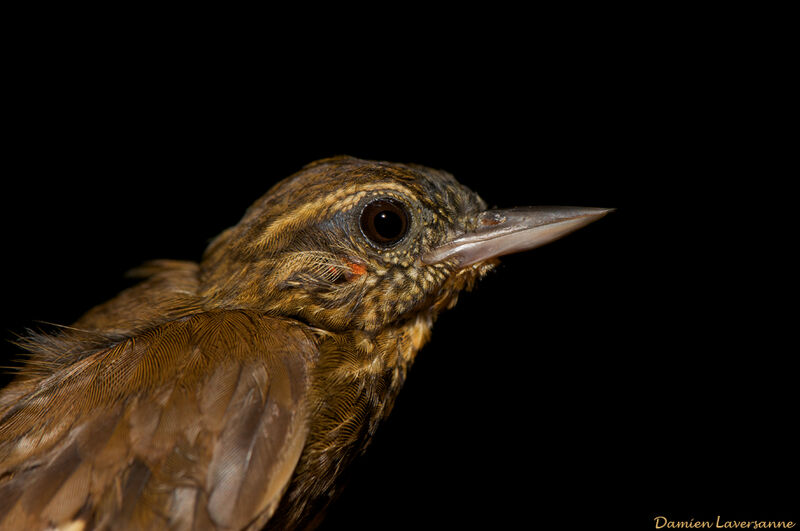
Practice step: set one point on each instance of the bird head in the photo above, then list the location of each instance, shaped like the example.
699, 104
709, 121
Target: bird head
353, 244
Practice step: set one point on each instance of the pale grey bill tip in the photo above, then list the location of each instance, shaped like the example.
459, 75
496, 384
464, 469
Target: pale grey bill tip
502, 232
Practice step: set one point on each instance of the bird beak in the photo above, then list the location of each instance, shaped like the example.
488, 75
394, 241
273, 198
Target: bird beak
502, 232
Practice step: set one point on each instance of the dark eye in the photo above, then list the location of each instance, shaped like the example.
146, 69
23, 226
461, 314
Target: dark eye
384, 222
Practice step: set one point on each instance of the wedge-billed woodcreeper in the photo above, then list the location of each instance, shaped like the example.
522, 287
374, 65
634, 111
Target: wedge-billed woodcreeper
231, 394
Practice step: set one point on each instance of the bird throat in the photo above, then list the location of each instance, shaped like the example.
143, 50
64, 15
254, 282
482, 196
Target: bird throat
354, 387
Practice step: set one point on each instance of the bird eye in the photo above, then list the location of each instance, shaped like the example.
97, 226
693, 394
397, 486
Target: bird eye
384, 222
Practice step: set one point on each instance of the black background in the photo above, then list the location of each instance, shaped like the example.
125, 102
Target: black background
636, 368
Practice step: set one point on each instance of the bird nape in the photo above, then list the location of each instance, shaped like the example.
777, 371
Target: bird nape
233, 392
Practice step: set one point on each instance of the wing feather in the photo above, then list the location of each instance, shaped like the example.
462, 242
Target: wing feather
196, 425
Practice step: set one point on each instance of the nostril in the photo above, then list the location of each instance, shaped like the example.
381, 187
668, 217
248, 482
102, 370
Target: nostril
487, 219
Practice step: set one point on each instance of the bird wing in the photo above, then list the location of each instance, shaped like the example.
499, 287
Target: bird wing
195, 424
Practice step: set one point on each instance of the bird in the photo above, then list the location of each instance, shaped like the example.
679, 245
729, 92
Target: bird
233, 392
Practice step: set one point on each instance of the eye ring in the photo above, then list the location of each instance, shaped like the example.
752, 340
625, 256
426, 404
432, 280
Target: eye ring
384, 222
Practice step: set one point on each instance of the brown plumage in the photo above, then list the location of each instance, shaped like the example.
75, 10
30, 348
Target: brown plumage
232, 393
